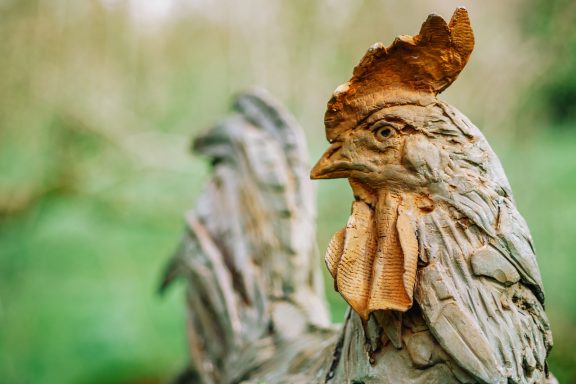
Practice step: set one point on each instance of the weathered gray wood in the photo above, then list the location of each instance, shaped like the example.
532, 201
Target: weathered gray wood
256, 306
435, 261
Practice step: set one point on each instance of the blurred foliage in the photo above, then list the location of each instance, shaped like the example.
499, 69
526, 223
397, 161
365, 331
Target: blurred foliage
99, 99
553, 23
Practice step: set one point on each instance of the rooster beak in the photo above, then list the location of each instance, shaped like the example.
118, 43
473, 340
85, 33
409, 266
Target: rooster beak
332, 165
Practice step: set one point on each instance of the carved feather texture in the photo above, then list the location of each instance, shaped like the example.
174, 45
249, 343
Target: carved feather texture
504, 334
248, 256
496, 338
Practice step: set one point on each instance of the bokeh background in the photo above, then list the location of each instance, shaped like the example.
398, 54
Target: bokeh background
99, 101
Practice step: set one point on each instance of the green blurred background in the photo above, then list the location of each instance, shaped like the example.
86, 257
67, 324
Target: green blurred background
99, 101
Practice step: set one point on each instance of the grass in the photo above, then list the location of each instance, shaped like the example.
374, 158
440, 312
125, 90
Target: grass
78, 301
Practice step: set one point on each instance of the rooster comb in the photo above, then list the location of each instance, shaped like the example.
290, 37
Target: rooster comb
412, 68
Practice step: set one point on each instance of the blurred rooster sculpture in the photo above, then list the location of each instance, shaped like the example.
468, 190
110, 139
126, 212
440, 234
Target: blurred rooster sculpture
435, 261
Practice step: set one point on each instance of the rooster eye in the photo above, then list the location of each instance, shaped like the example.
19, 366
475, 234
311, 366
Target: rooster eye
383, 132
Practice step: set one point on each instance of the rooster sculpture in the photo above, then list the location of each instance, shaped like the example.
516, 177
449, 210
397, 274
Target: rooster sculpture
436, 263
256, 306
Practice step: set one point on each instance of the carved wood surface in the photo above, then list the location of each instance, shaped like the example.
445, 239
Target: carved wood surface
435, 261
256, 306
428, 190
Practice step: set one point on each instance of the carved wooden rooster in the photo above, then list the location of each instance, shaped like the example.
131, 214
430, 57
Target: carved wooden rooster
435, 261
255, 297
